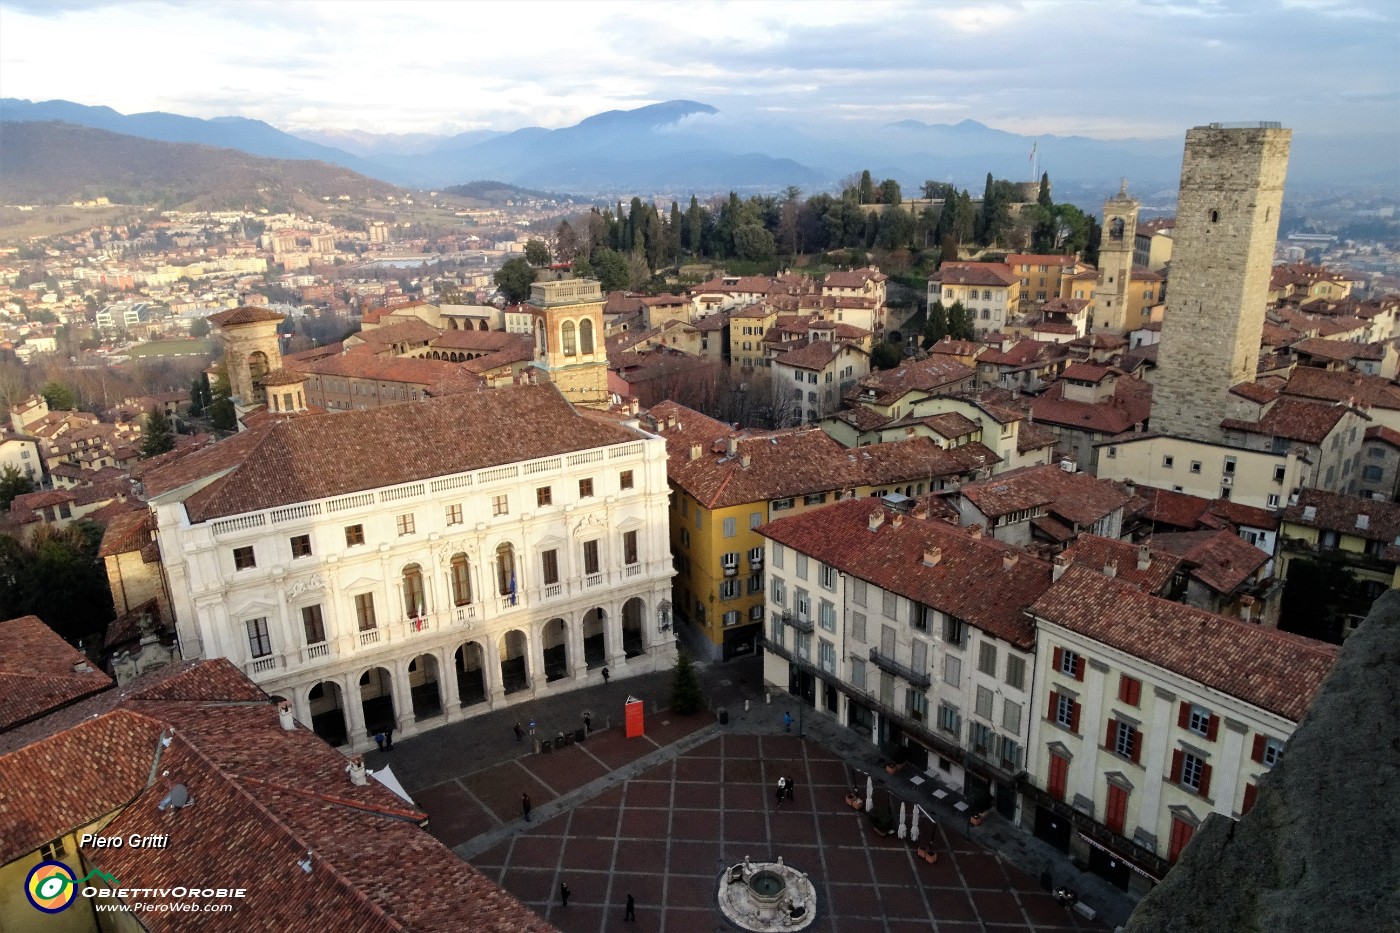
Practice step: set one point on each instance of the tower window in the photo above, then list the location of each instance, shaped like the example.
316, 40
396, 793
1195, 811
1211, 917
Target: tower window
1215, 217
1115, 229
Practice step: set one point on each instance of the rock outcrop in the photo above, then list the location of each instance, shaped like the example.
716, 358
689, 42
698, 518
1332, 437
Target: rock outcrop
1320, 851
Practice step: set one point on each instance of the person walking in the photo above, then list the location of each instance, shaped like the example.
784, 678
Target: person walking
519, 731
787, 721
564, 893
587, 722
782, 787
525, 806
389, 739
379, 740
606, 675
789, 788
631, 913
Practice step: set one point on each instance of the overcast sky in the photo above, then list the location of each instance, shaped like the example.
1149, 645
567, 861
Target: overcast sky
1104, 68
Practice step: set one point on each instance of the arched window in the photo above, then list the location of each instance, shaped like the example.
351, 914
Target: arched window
568, 339
413, 591
506, 583
1115, 229
461, 581
481, 325
585, 334
541, 337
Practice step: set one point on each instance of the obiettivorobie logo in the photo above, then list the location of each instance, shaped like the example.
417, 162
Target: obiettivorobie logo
52, 887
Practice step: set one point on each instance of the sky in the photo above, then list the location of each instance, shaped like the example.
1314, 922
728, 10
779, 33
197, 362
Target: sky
1103, 68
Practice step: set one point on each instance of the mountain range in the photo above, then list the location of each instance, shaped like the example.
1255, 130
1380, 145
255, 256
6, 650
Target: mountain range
684, 147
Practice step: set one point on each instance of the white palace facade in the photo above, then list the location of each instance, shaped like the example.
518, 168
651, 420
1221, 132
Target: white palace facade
413, 565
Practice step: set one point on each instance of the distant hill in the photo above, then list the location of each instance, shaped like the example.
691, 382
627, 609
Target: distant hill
496, 192
55, 163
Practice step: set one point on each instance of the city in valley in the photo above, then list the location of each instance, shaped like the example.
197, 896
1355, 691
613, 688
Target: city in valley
873, 527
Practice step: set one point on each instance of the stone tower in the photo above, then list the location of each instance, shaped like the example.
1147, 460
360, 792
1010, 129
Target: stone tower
1115, 263
569, 345
251, 350
1226, 225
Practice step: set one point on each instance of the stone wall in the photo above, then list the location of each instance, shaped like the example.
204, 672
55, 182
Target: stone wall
1318, 851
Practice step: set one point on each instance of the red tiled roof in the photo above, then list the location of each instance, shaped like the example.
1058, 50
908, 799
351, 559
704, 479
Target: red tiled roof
970, 580
244, 315
404, 369
1130, 404
1223, 560
314, 458
1383, 434
1336, 350
126, 533
997, 274
283, 377
928, 375
1096, 553
1336, 386
1334, 512
37, 673
816, 355
1039, 259
1292, 419
1077, 497
1087, 372
1272, 670
1254, 392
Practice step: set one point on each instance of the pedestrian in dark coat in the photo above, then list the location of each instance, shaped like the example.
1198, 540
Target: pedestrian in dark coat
789, 788
525, 805
587, 722
519, 732
389, 739
631, 913
606, 675
564, 893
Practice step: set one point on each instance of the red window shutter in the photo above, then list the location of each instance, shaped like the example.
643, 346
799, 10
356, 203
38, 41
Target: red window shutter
1137, 745
1137, 693
1181, 835
1250, 792
1078, 668
1054, 702
1116, 810
1111, 734
1183, 718
1205, 781
1074, 716
1177, 756
1059, 658
1258, 753
1212, 728
1059, 774
1122, 688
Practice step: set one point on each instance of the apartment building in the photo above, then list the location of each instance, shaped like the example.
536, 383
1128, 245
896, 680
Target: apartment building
403, 567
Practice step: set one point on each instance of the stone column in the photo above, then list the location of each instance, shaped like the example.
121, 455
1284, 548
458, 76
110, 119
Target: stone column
399, 690
354, 712
1083, 776
1225, 773
1160, 719
447, 682
612, 639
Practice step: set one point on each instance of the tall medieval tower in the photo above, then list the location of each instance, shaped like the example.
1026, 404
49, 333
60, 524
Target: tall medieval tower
569, 339
1120, 214
251, 351
1227, 217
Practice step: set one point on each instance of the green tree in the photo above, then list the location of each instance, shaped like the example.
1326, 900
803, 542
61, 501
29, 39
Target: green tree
936, 327
686, 695
889, 192
866, 194
1317, 595
1043, 196
884, 356
158, 436
610, 268
222, 415
566, 245
582, 268
59, 396
200, 395
536, 253
960, 326
514, 279
199, 327
753, 243
896, 228
58, 577
13, 483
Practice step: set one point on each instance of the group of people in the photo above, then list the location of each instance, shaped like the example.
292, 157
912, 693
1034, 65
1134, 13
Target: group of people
785, 789
629, 912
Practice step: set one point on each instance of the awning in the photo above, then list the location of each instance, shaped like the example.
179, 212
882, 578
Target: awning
1126, 861
386, 777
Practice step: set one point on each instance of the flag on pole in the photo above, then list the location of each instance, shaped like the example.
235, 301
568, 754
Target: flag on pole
512, 587
1031, 157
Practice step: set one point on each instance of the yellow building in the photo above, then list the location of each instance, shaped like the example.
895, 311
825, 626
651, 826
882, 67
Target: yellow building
746, 329
1042, 276
990, 290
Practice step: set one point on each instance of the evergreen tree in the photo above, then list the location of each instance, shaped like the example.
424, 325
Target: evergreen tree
514, 279
222, 414
59, 396
56, 575
686, 695
960, 326
889, 192
982, 232
610, 269
695, 227
936, 327
673, 235
884, 356
536, 253
159, 436
866, 193
1043, 198
13, 483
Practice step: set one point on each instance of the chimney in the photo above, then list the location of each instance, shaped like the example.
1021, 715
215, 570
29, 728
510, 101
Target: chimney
932, 555
744, 461
975, 531
921, 513
1110, 569
1008, 560
81, 667
671, 422
896, 520
733, 447
1144, 557
1247, 608
1062, 562
358, 777
877, 518
695, 451
284, 713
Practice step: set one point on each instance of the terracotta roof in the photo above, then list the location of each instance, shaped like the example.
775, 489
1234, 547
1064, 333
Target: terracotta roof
996, 274
856, 278
949, 424
1032, 436
37, 673
1130, 405
404, 369
1096, 553
1237, 514
885, 386
1222, 559
816, 355
1336, 350
1331, 511
1040, 259
1064, 305
126, 533
1087, 372
283, 377
1383, 434
244, 315
862, 418
314, 458
1335, 386
971, 579
1254, 392
407, 330
1272, 670
1292, 419
1079, 498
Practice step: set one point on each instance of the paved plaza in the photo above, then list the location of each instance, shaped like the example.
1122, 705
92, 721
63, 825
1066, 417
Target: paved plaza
660, 816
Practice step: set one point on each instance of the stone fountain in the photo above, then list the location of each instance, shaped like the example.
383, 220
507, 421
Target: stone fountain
765, 896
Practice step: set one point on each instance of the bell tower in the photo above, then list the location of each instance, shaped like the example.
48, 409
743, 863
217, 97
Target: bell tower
251, 350
569, 344
1120, 214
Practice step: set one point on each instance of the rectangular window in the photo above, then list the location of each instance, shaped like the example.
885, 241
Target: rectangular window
954, 631
585, 488
1230, 463
454, 514
779, 592
591, 562
858, 592
313, 624
259, 641
731, 617
800, 567
827, 577
699, 516
1116, 809
755, 583
987, 658
816, 498
1011, 717
53, 851
364, 611
354, 534
826, 615
1192, 770
729, 589
630, 554
1129, 690
779, 554
858, 673
404, 524
984, 703
775, 628
948, 719
1065, 712
952, 670
500, 505
730, 528
1198, 720
544, 495
1123, 739
1195, 466
624, 480
301, 546
1167, 462
858, 626
781, 504
550, 564
826, 655
1069, 663
755, 519
1015, 671
755, 558
243, 558
919, 616
889, 604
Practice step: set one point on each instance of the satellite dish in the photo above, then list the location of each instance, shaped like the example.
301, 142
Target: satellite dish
179, 798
